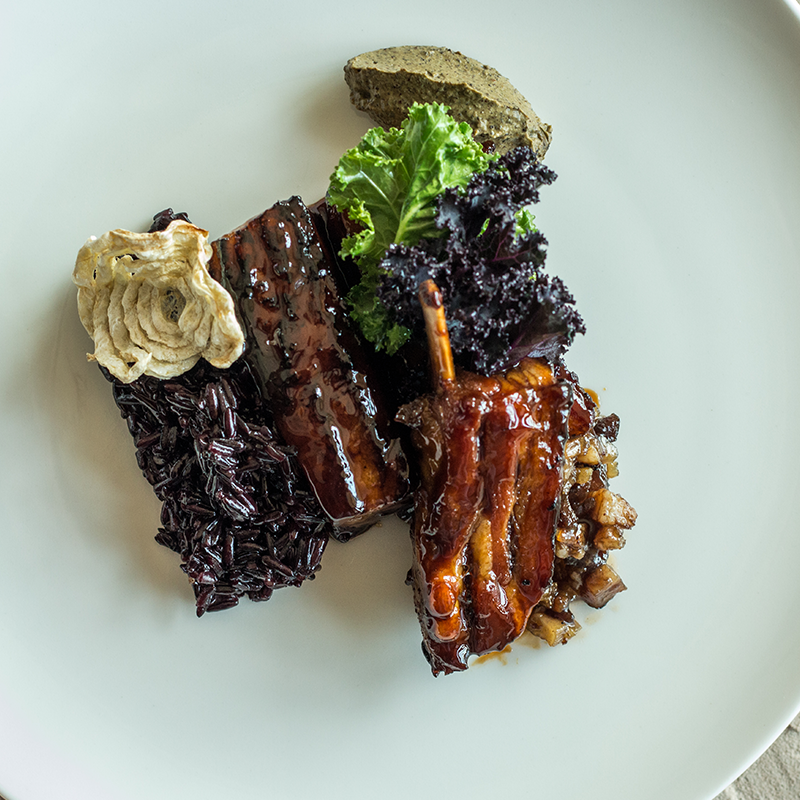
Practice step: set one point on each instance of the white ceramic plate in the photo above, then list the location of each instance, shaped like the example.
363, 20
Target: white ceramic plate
675, 223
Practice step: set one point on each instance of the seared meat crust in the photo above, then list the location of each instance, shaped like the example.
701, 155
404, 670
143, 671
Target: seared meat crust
308, 360
490, 453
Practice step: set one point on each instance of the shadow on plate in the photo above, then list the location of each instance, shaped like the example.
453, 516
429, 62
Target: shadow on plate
102, 492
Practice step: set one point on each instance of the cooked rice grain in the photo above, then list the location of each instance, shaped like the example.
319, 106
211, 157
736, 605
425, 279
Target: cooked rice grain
237, 508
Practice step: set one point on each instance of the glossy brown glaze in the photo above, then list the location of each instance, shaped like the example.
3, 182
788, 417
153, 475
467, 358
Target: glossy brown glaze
486, 512
277, 267
583, 414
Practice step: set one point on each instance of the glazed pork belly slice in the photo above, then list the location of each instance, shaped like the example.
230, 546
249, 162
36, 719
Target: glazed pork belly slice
310, 365
490, 452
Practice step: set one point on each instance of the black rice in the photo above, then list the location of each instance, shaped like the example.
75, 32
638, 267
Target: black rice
237, 507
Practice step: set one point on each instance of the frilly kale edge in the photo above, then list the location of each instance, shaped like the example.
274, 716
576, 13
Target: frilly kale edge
500, 304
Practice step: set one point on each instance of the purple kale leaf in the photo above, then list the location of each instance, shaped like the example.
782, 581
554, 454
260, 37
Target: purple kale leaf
500, 304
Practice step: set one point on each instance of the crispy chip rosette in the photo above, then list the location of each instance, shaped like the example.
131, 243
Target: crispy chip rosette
150, 305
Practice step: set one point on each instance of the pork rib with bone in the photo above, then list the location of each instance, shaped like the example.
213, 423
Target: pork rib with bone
490, 456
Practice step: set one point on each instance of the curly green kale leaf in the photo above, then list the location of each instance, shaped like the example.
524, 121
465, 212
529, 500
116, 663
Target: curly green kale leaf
388, 187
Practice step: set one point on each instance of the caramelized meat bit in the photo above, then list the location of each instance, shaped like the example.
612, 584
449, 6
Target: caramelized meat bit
487, 507
607, 427
599, 585
554, 630
278, 268
592, 521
